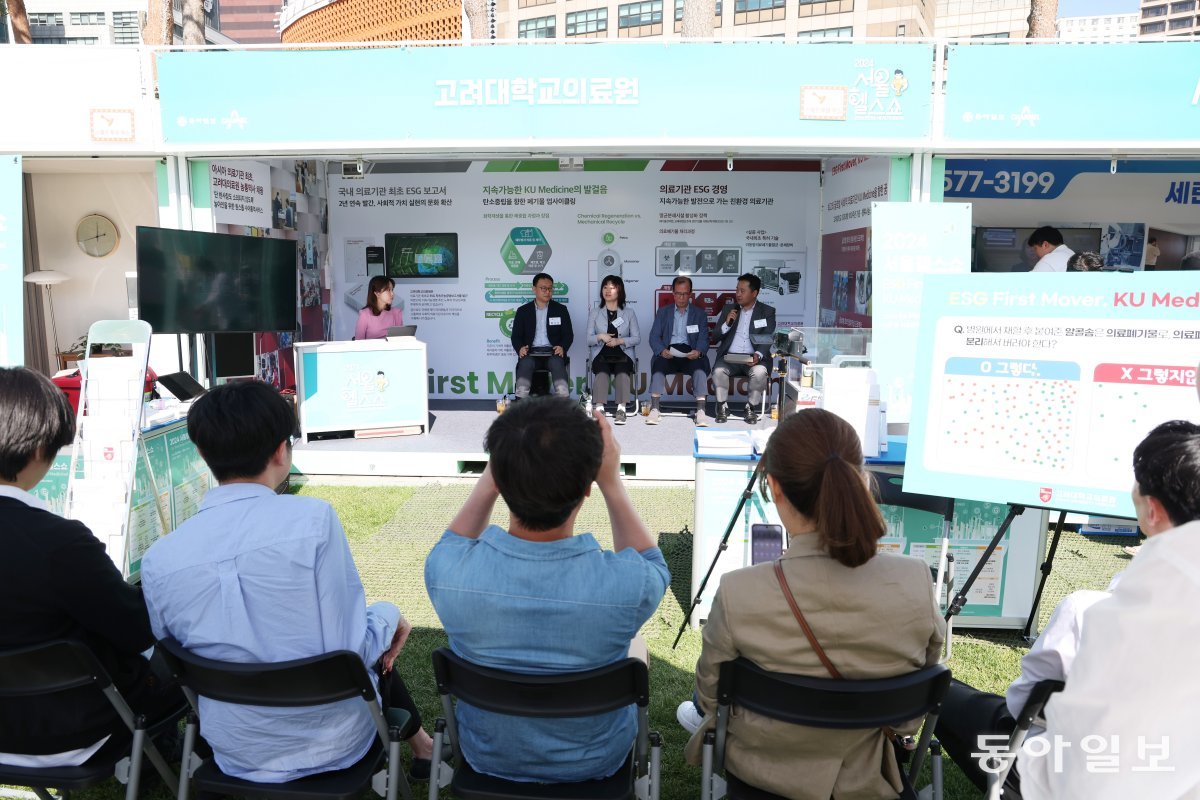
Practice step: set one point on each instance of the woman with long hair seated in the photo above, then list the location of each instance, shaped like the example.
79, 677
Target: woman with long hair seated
612, 334
378, 315
874, 615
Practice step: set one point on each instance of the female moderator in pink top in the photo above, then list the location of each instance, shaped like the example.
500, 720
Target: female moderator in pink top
378, 315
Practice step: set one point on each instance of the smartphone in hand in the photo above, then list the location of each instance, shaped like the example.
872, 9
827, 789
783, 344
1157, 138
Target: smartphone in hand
766, 543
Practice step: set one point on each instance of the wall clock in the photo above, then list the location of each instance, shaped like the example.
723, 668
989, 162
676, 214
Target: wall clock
96, 235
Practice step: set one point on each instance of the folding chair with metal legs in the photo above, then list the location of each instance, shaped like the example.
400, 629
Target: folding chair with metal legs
315, 681
822, 703
62, 665
545, 696
1003, 763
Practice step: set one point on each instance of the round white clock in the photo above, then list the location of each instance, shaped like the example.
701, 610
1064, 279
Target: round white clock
96, 235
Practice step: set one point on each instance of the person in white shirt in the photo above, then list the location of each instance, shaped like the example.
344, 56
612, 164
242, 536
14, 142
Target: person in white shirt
1125, 726
969, 715
1047, 244
1152, 252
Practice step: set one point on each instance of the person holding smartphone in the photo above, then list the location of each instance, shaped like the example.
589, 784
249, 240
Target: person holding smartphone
872, 614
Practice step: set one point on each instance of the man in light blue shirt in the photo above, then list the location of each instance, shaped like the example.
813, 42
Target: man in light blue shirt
537, 598
256, 577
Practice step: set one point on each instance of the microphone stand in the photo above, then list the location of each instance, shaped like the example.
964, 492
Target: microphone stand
747, 493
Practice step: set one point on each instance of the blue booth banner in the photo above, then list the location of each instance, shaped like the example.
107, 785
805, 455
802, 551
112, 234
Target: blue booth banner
446, 96
1062, 94
1046, 179
1035, 388
12, 290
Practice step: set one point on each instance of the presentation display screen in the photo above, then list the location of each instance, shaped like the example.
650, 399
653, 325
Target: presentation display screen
421, 255
196, 282
1035, 389
1005, 249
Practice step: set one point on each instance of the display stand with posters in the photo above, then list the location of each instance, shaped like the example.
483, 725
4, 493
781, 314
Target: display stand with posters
374, 387
1000, 597
170, 479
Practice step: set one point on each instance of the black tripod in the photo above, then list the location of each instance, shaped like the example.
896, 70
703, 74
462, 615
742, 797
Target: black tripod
747, 493
960, 598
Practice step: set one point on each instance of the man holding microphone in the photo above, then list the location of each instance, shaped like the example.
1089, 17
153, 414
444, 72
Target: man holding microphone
740, 324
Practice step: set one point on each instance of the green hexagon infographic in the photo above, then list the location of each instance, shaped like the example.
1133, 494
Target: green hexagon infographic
525, 251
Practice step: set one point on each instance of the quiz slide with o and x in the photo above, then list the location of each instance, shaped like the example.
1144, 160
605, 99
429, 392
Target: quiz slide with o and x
1035, 388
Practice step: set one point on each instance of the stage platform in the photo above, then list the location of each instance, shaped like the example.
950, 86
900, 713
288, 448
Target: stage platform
453, 447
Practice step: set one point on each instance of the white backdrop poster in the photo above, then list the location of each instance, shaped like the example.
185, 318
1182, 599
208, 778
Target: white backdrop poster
241, 193
852, 186
464, 246
912, 241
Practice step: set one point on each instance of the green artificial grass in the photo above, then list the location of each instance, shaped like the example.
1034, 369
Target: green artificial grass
391, 530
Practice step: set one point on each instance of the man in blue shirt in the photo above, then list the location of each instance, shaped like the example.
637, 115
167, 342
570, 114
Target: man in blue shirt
256, 577
679, 341
537, 598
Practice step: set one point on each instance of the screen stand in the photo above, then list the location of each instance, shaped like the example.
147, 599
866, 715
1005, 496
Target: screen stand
210, 358
1046, 567
747, 493
960, 599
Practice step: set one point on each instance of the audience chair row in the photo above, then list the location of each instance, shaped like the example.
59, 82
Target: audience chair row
815, 702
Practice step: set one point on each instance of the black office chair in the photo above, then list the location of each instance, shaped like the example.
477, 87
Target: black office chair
821, 703
571, 694
541, 382
59, 666
891, 494
1002, 763
314, 681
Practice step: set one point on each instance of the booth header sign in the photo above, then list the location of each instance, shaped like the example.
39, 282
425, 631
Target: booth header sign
1003, 94
499, 94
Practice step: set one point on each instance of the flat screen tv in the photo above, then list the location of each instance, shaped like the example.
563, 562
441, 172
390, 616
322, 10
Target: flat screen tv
1005, 249
196, 282
421, 255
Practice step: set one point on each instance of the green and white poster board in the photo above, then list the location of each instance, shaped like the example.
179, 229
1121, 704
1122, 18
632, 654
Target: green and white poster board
168, 468
1035, 388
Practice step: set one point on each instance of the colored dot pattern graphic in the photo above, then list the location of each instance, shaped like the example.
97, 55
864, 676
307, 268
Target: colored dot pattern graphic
998, 422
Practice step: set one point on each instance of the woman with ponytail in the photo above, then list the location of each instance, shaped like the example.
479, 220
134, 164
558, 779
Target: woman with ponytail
872, 613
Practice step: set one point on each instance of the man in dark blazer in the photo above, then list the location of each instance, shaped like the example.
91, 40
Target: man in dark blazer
745, 328
679, 341
542, 333
57, 582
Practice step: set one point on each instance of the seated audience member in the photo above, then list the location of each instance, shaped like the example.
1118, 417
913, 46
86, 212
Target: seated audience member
258, 577
968, 714
1085, 262
378, 315
739, 324
542, 331
679, 341
1047, 244
612, 332
57, 582
873, 614
1125, 726
537, 598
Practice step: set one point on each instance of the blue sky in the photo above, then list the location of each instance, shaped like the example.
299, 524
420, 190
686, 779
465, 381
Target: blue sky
1080, 8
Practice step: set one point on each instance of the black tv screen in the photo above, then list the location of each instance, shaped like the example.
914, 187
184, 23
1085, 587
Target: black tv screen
196, 282
421, 255
1005, 249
